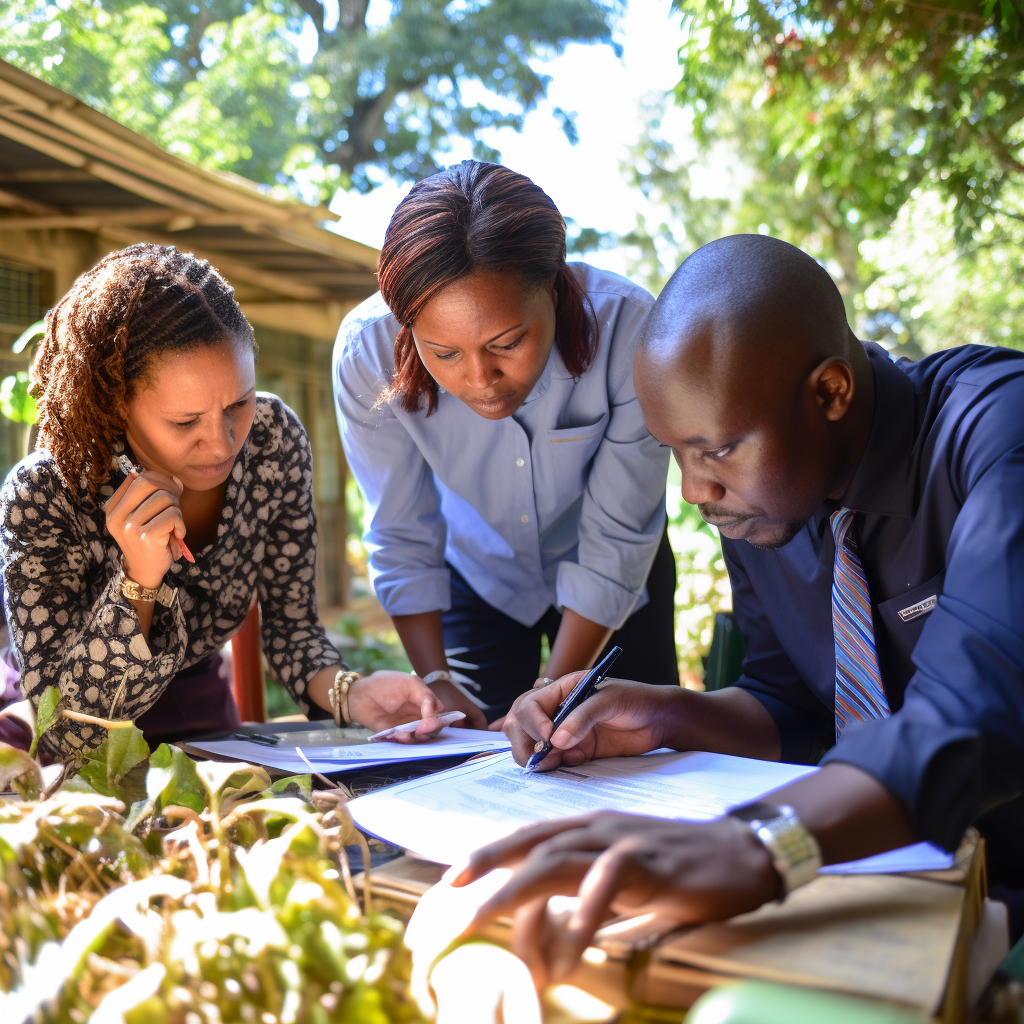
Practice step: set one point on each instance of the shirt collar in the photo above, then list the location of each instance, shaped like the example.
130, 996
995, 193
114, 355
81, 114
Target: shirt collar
880, 482
553, 368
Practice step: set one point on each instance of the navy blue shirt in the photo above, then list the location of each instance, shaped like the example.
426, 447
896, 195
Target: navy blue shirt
939, 494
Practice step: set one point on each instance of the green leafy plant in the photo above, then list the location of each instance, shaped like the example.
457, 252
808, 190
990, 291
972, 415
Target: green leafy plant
159, 889
16, 403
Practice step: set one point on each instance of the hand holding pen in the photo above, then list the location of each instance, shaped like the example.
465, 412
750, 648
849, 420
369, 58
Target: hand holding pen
144, 518
583, 690
621, 719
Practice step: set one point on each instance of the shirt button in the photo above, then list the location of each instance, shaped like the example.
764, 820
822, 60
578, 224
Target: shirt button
524, 519
520, 462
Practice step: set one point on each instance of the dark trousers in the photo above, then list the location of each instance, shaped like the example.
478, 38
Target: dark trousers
495, 658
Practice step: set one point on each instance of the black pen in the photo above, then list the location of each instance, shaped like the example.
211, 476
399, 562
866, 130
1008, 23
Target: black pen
268, 740
580, 692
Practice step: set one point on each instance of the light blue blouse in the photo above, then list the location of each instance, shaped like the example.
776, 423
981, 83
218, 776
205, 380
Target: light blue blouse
561, 503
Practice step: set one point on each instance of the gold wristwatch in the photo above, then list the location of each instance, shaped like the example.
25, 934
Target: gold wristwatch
136, 591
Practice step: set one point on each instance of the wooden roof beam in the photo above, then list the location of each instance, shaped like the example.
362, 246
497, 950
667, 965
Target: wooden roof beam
127, 178
171, 219
167, 169
304, 235
280, 283
15, 202
42, 175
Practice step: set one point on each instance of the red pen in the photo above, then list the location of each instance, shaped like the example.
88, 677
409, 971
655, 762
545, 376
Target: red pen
126, 467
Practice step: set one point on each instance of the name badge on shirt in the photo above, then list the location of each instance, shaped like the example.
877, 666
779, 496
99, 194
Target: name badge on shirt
915, 611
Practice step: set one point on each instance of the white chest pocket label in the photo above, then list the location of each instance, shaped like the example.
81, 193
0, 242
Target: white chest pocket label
915, 611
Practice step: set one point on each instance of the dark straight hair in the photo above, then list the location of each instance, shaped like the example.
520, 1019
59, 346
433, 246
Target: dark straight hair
476, 216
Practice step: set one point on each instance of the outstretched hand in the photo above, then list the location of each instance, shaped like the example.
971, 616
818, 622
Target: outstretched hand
621, 719
617, 864
385, 699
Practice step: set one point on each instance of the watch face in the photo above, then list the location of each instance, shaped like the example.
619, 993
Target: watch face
760, 811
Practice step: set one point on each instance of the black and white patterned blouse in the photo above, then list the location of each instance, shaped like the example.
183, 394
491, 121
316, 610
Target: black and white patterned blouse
71, 626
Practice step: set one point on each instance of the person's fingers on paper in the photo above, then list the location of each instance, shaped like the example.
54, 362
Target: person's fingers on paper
521, 741
514, 847
497, 725
534, 710
530, 719
384, 699
610, 872
530, 929
541, 875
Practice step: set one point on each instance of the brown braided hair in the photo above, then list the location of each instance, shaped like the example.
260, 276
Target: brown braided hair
476, 216
102, 337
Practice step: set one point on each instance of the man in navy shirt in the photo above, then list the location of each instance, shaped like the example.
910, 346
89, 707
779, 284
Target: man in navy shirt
872, 516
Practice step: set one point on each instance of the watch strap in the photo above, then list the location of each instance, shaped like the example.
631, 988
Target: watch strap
795, 853
137, 592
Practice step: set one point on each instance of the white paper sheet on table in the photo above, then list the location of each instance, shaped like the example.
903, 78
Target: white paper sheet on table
446, 816
917, 857
448, 743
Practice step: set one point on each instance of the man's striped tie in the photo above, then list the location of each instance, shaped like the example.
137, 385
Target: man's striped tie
859, 691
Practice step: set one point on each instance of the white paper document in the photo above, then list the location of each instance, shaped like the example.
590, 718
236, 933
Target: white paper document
326, 756
444, 817
918, 857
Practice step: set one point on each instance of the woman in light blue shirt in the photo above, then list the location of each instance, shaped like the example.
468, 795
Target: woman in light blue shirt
485, 401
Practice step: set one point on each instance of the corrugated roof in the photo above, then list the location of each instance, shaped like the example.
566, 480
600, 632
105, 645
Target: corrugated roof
65, 165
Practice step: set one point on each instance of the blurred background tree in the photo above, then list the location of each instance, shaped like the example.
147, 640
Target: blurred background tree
304, 94
882, 137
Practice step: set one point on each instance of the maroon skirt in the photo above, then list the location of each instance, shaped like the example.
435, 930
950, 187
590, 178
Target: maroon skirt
197, 700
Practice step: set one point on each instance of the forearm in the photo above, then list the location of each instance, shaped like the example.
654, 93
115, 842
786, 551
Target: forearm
144, 610
319, 687
423, 640
849, 812
578, 643
730, 721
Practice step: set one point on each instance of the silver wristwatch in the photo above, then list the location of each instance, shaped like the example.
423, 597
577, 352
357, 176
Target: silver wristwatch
796, 855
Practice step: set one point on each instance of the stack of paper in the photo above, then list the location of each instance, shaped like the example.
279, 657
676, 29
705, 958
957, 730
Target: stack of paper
444, 817
326, 754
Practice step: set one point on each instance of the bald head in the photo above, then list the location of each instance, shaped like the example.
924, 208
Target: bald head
764, 298
749, 371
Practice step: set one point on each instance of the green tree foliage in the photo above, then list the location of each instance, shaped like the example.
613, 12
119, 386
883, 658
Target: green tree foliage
883, 137
223, 82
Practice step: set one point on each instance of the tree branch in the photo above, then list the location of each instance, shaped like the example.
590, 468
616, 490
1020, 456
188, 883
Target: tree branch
316, 12
967, 15
353, 15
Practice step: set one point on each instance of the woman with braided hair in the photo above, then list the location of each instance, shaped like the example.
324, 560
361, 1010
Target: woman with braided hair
151, 431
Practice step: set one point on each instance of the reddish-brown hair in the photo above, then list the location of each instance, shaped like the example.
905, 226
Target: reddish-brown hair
476, 216
102, 337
